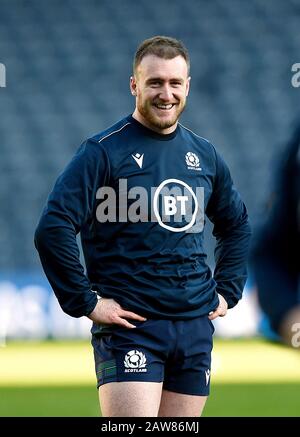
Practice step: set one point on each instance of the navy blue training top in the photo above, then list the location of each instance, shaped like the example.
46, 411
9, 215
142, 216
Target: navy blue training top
138, 199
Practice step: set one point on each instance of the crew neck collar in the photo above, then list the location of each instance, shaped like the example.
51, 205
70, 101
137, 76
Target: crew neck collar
152, 133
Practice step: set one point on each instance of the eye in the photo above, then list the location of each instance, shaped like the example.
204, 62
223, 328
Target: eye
176, 84
155, 84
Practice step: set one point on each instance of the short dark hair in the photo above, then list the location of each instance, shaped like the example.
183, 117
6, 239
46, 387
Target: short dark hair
162, 46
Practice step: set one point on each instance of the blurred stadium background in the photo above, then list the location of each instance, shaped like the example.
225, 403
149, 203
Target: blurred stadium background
68, 65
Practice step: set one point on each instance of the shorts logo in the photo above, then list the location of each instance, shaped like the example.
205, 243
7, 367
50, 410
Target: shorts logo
192, 161
207, 375
135, 361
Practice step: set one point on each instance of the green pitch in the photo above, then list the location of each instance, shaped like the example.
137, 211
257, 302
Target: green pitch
249, 378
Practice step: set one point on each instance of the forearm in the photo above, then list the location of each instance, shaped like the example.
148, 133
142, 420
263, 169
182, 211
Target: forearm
231, 255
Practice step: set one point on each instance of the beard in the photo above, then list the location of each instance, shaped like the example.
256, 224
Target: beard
147, 110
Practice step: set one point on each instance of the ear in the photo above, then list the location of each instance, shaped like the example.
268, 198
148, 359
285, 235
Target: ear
133, 85
188, 86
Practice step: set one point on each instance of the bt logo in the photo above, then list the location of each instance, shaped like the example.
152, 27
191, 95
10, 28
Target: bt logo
175, 205
170, 204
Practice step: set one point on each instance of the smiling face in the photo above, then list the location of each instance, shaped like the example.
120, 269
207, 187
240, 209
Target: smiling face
161, 87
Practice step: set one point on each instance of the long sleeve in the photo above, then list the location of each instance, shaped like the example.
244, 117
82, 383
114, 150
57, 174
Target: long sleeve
70, 205
232, 231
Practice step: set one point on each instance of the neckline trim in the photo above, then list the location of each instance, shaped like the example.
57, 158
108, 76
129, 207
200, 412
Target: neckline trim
152, 133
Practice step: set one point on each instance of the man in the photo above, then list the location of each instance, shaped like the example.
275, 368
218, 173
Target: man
275, 256
137, 192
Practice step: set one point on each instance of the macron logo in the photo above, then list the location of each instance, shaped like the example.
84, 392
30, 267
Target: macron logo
207, 375
138, 159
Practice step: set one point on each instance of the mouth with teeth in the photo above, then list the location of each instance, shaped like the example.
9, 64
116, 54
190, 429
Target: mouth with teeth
164, 107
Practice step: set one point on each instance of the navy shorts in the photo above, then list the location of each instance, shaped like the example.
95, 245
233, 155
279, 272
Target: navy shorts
175, 352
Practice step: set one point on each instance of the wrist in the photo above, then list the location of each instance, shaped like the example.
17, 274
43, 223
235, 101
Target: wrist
97, 295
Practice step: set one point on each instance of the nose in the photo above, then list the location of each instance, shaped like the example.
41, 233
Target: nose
166, 93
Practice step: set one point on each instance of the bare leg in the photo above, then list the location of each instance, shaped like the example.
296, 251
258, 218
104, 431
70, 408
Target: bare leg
286, 329
130, 399
180, 405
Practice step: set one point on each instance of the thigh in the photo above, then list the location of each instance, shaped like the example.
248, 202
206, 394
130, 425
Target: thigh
131, 355
187, 370
180, 405
130, 399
